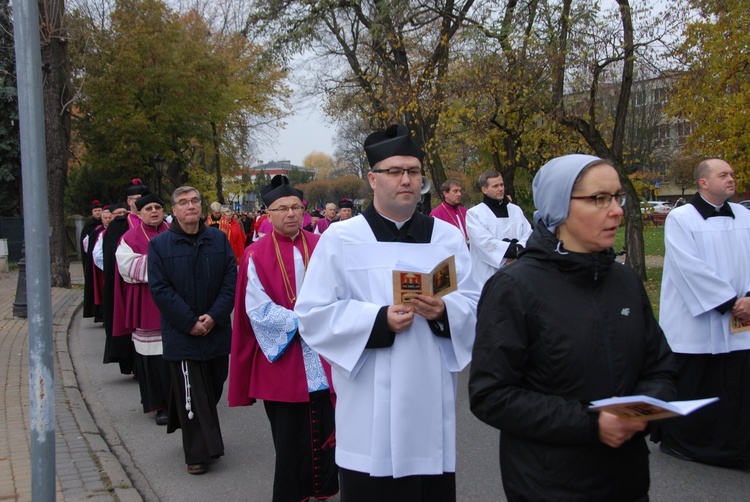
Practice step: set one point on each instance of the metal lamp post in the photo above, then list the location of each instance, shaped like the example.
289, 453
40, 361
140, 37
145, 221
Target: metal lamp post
159, 164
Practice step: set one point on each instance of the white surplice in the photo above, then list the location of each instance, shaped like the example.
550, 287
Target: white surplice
706, 263
486, 234
395, 410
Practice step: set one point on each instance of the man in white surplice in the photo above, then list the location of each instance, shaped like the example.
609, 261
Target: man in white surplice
706, 283
394, 365
497, 229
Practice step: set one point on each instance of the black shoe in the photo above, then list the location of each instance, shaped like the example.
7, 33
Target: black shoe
197, 468
161, 417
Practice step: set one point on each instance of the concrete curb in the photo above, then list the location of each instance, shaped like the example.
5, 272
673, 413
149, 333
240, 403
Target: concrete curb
128, 482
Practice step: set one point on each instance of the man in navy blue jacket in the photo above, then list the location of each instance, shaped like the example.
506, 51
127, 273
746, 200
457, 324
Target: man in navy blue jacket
192, 274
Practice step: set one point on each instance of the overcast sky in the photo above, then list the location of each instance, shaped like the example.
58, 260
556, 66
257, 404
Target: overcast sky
307, 130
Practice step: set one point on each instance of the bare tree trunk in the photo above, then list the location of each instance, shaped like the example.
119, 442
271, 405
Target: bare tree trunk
217, 164
589, 130
57, 127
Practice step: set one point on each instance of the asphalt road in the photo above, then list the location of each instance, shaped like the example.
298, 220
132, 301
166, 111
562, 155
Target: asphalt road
154, 461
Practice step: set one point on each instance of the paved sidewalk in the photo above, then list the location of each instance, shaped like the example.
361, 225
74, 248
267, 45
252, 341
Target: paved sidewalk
86, 468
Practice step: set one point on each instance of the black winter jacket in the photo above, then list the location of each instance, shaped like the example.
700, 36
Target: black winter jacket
189, 277
555, 331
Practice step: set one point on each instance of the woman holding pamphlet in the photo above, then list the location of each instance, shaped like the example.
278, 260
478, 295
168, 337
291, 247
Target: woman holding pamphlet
564, 326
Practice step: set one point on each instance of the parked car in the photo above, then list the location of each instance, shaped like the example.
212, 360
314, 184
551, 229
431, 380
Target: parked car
655, 206
745, 203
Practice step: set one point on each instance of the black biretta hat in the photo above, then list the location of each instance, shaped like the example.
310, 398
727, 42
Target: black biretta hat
95, 204
119, 205
136, 187
148, 198
278, 188
346, 203
396, 140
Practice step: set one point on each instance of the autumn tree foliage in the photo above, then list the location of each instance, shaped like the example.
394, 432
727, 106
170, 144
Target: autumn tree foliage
321, 162
320, 192
714, 91
156, 85
387, 61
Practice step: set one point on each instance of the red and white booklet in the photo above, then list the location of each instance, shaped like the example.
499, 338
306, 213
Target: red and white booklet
647, 408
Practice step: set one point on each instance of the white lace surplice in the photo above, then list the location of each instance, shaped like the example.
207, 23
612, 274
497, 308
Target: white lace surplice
275, 326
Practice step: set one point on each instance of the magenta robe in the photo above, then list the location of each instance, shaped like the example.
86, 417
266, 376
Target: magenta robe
134, 306
96, 271
251, 375
453, 215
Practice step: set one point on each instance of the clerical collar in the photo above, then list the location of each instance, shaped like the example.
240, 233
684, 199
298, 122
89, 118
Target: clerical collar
498, 207
291, 239
708, 210
416, 229
399, 224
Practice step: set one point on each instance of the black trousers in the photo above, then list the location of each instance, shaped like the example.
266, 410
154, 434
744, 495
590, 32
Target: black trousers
718, 434
201, 435
303, 436
153, 382
361, 487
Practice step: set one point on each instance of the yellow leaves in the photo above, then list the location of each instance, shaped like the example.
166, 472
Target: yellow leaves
715, 91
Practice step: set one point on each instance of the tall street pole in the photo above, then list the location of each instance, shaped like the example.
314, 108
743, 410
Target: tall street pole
36, 236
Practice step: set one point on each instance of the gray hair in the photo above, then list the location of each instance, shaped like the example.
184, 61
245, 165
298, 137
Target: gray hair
182, 190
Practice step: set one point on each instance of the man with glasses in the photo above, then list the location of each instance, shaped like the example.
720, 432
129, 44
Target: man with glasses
135, 310
192, 274
394, 364
497, 229
271, 362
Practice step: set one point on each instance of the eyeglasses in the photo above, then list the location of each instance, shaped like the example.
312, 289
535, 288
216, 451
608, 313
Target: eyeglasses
188, 202
603, 200
285, 209
155, 207
413, 172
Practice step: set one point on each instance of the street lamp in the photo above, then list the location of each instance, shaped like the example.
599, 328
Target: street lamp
159, 163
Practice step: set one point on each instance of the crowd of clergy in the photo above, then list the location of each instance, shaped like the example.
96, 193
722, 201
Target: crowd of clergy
298, 309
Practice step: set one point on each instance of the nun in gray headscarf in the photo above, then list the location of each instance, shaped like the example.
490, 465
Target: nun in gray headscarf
563, 326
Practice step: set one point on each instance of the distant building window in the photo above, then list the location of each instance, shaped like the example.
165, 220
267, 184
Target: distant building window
661, 135
684, 129
660, 95
639, 98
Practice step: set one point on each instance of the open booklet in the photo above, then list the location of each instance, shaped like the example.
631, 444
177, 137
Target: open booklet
646, 408
737, 326
412, 282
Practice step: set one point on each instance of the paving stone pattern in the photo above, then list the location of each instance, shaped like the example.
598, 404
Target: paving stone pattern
80, 475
